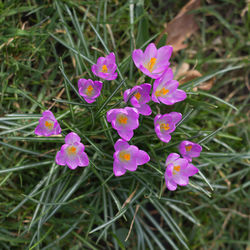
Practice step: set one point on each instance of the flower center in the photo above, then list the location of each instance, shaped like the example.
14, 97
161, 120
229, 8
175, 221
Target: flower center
176, 169
49, 124
124, 156
89, 90
71, 150
161, 92
151, 64
137, 96
188, 148
164, 126
104, 68
122, 119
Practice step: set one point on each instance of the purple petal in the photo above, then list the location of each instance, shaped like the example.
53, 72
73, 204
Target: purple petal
144, 109
191, 170
71, 138
118, 169
171, 158
171, 185
176, 96
131, 165
89, 100
110, 58
94, 69
72, 162
142, 157
169, 170
150, 52
138, 57
126, 134
48, 114
121, 145
61, 156
111, 114
83, 159
163, 55
176, 116
126, 95
181, 180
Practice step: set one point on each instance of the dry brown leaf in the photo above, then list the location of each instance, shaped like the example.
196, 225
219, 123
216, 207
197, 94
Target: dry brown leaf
181, 27
191, 75
180, 70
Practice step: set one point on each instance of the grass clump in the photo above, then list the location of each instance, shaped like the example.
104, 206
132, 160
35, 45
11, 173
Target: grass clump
45, 49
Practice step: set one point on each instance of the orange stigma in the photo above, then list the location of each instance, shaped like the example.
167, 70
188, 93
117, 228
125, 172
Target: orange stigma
104, 68
188, 148
89, 90
124, 156
164, 126
176, 169
72, 150
161, 92
151, 64
49, 125
123, 119
137, 96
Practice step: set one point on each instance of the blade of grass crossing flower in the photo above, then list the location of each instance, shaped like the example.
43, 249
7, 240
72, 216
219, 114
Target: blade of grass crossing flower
109, 98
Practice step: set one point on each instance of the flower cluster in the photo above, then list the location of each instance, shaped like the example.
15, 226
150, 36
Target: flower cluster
155, 64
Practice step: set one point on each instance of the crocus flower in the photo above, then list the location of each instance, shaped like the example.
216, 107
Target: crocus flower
127, 157
124, 121
189, 150
153, 62
139, 96
105, 67
165, 89
166, 124
48, 125
178, 170
89, 89
72, 152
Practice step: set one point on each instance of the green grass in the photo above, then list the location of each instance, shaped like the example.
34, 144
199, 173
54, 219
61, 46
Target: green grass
44, 49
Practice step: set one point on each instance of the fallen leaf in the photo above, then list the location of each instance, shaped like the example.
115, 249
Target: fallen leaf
180, 70
193, 74
181, 27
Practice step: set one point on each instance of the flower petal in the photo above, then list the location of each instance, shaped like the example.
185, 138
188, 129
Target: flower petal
137, 57
71, 138
171, 158
121, 145
142, 157
83, 159
118, 169
126, 134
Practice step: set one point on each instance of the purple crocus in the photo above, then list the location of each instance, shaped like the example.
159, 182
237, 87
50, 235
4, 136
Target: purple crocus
124, 121
153, 62
189, 150
178, 170
89, 89
139, 96
48, 125
127, 157
165, 89
105, 67
166, 124
72, 152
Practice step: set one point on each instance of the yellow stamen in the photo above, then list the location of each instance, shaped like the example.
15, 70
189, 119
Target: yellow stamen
188, 148
104, 68
89, 90
137, 96
49, 125
161, 92
124, 156
177, 169
72, 150
123, 119
151, 64
164, 126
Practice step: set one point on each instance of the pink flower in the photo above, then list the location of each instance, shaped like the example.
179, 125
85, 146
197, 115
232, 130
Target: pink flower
153, 62
165, 90
166, 124
139, 96
105, 67
72, 152
48, 125
127, 157
178, 170
89, 90
124, 121
189, 150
